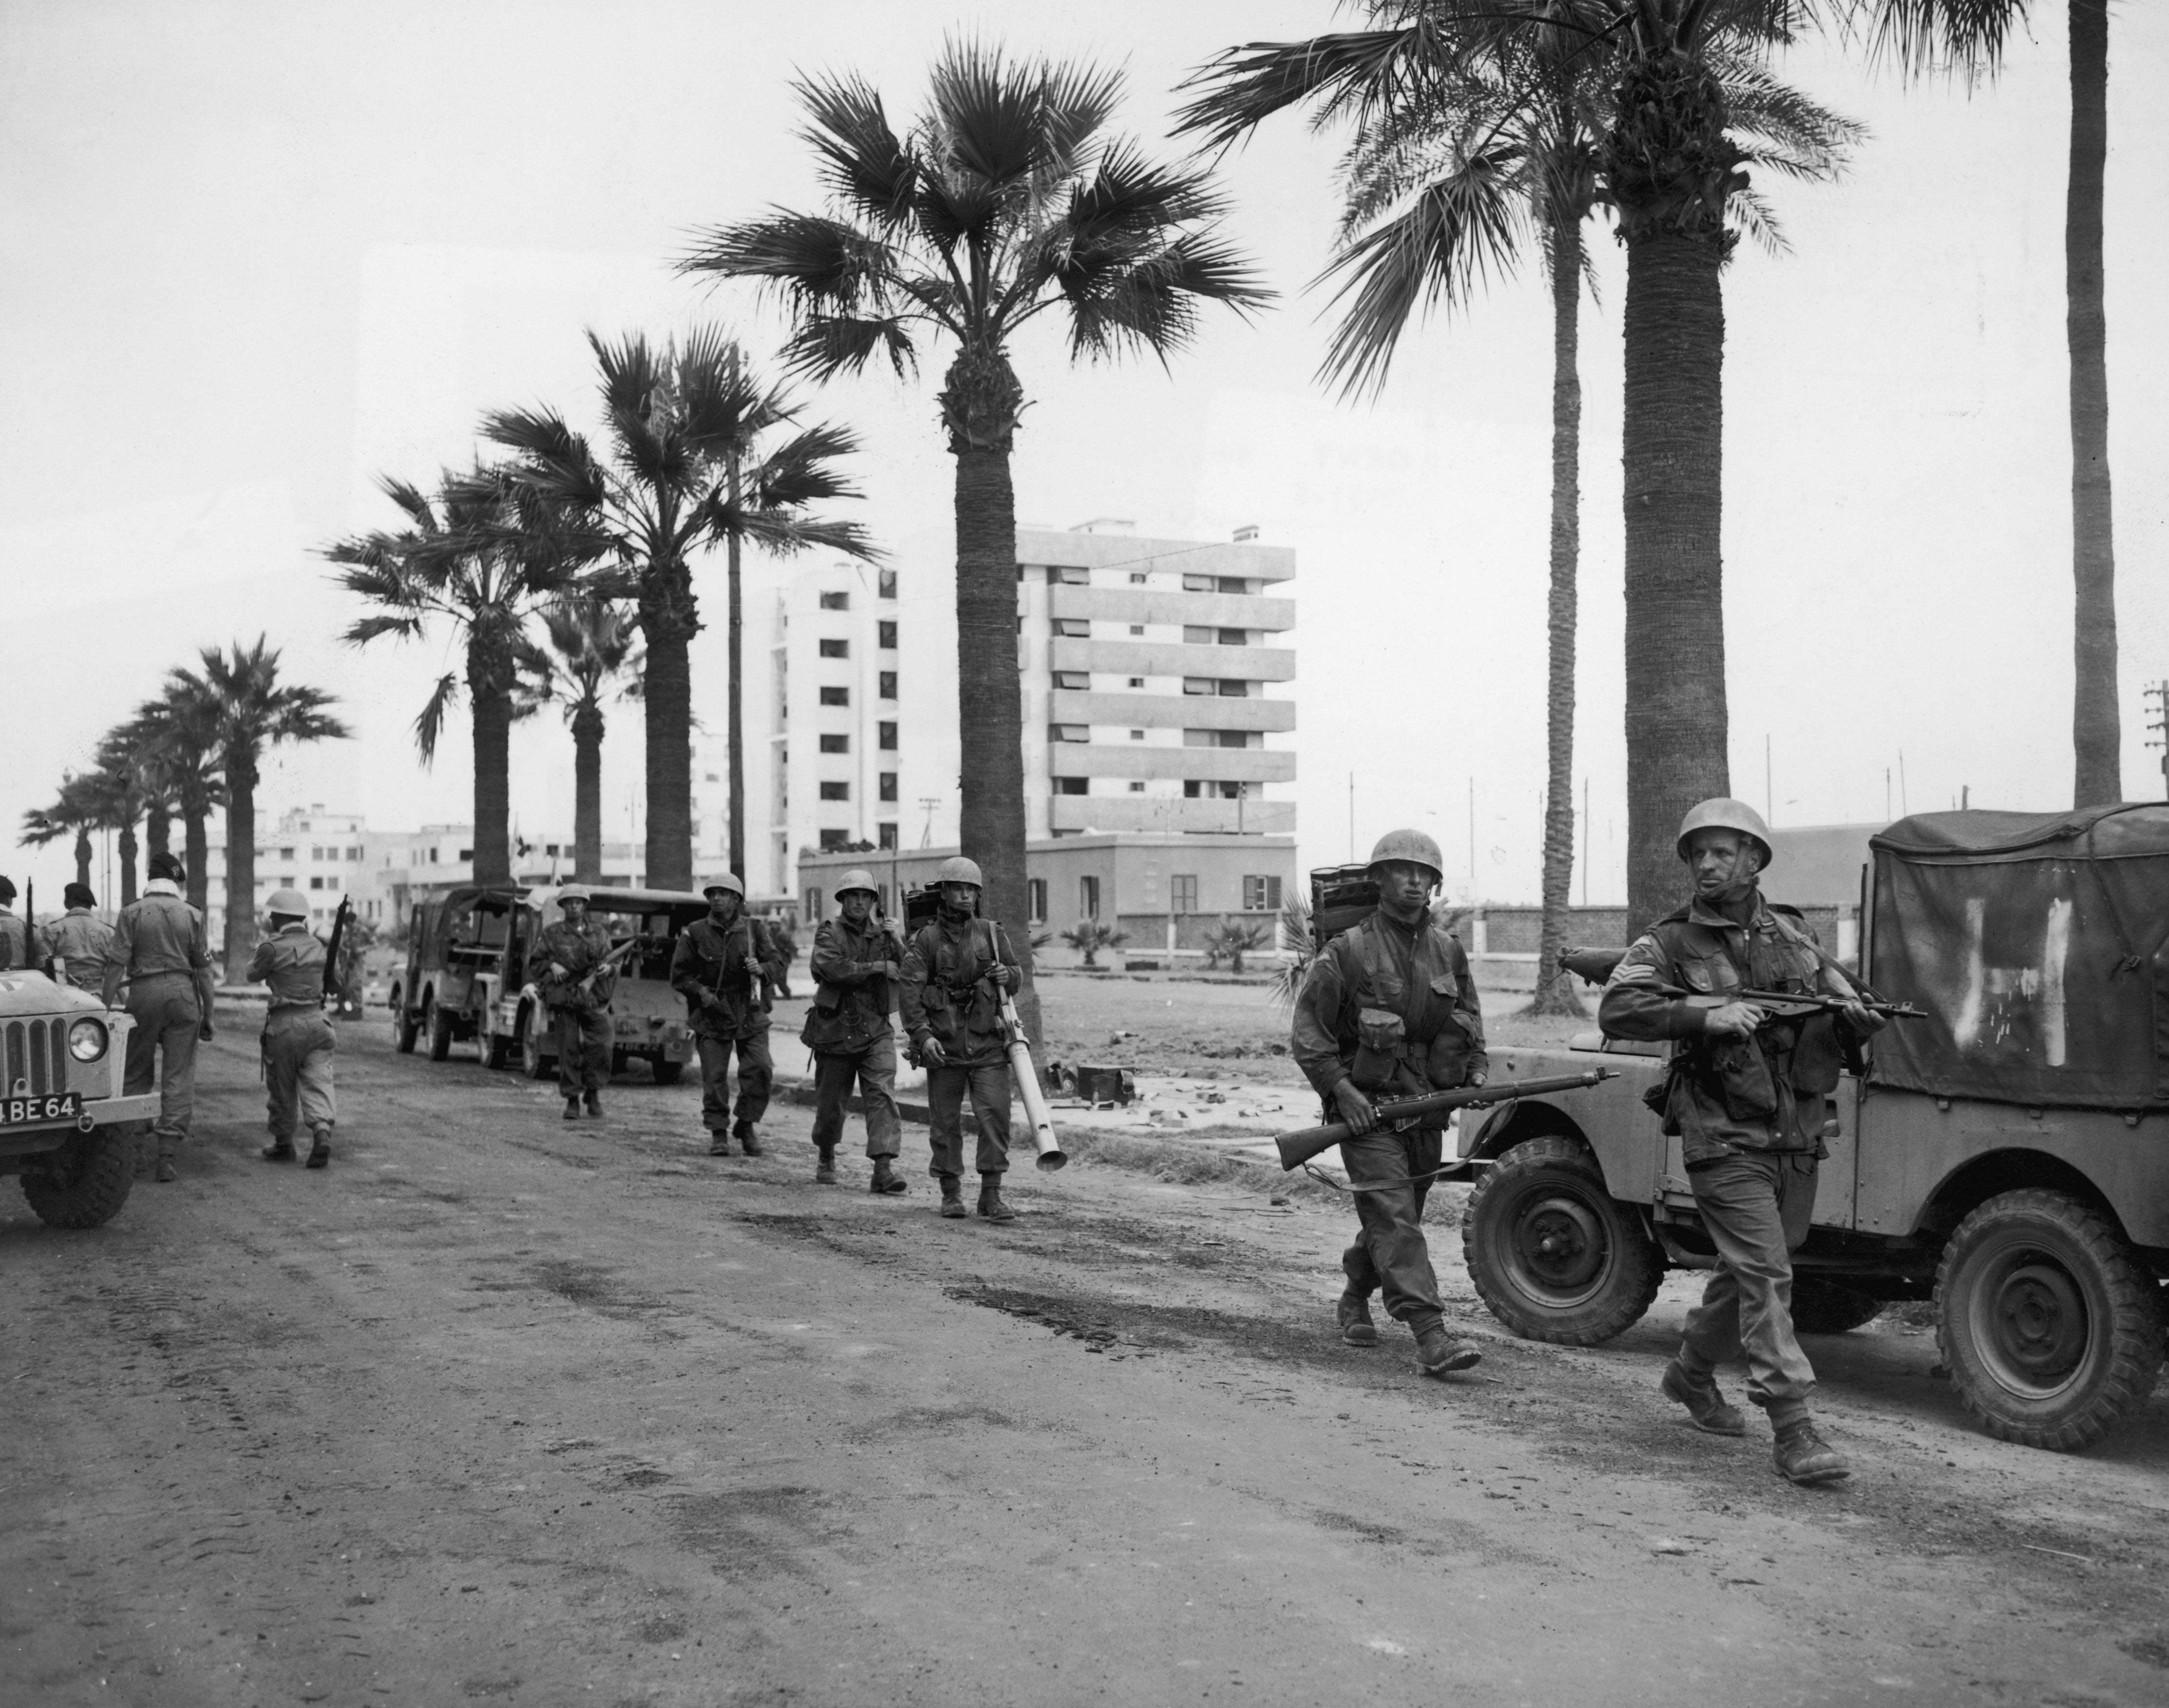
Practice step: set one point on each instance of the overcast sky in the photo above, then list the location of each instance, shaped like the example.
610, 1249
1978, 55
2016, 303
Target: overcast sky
255, 253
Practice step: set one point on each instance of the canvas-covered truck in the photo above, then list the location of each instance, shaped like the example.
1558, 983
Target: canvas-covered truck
648, 1017
461, 951
2006, 1155
66, 1126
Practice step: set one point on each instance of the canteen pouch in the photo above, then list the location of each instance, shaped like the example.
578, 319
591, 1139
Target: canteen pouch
1379, 1036
1446, 1063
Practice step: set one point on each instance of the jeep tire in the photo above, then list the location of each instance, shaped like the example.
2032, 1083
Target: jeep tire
85, 1182
440, 1025
1821, 1306
405, 1029
1551, 1252
2050, 1328
496, 1052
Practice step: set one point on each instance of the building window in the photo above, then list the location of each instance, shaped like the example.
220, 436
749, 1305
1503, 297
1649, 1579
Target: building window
1234, 637
1199, 584
1137, 788
1069, 732
886, 637
433, 857
1231, 689
1137, 628
887, 837
1233, 584
1182, 893
885, 584
1088, 896
888, 685
886, 735
835, 841
835, 792
1067, 575
1231, 738
1194, 636
1137, 577
1034, 900
1073, 628
888, 785
316, 883
1137, 735
550, 849
1262, 894
835, 696
1022, 570
285, 854
813, 897
353, 853
835, 649
1071, 785
1137, 681
836, 744
1197, 684
1074, 681
467, 853
835, 602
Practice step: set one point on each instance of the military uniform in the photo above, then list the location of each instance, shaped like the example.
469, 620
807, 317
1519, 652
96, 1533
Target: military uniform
1393, 1008
564, 954
720, 970
79, 940
950, 969
1749, 1113
298, 1040
19, 941
158, 949
847, 1028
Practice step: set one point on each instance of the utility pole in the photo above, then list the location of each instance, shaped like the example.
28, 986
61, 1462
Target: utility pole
2159, 694
929, 802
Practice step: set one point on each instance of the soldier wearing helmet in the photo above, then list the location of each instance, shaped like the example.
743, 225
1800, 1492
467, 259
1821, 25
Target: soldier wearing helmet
1745, 1095
1388, 1008
722, 967
857, 962
956, 968
568, 950
298, 1040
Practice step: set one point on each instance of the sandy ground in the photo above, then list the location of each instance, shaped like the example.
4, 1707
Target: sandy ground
503, 1408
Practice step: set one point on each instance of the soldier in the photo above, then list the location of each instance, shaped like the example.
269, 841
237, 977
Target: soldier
722, 967
158, 951
569, 954
19, 937
298, 1040
78, 941
954, 968
1389, 1009
855, 966
1745, 1095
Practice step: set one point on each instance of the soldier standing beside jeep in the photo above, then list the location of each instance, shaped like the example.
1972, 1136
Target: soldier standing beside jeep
1746, 1096
78, 941
1388, 1007
570, 954
856, 962
158, 951
722, 967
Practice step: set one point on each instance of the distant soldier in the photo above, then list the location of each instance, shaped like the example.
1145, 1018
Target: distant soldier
18, 938
78, 941
298, 1040
568, 955
159, 953
722, 967
956, 969
1745, 1097
1388, 1008
856, 962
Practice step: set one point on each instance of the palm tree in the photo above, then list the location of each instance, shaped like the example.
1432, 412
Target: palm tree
1466, 147
1006, 200
72, 812
682, 422
175, 735
247, 709
122, 793
591, 645
483, 556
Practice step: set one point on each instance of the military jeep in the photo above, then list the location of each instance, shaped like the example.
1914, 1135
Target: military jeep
2007, 1156
66, 1126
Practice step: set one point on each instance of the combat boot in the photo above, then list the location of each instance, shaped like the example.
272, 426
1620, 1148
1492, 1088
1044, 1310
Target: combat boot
1353, 1313
719, 1143
886, 1178
572, 1109
279, 1151
1706, 1407
1802, 1456
824, 1170
169, 1149
320, 1152
952, 1196
992, 1205
1438, 1352
595, 1104
748, 1139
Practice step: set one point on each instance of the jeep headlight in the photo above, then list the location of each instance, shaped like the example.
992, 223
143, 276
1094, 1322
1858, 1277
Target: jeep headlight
87, 1040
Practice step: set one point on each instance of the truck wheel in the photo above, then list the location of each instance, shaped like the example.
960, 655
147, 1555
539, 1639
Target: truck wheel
440, 1029
666, 1071
2050, 1329
1551, 1252
86, 1181
404, 1030
1824, 1307
532, 1061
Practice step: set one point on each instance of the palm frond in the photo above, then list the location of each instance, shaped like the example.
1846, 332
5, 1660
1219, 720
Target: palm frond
866, 167
1245, 86
990, 115
1784, 128
1932, 38
1151, 306
429, 723
827, 345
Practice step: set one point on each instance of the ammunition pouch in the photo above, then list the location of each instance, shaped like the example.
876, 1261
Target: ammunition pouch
1380, 1038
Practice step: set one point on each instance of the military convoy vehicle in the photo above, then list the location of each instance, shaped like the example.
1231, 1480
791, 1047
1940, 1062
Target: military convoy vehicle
469, 977
66, 1126
2007, 1156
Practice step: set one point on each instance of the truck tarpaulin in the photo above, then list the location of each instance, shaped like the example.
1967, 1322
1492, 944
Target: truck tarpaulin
2039, 945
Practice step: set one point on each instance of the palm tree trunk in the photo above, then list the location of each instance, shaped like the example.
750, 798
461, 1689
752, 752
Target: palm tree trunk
736, 738
240, 861
195, 844
1676, 720
1555, 993
492, 774
157, 828
83, 852
667, 623
129, 848
2096, 735
588, 794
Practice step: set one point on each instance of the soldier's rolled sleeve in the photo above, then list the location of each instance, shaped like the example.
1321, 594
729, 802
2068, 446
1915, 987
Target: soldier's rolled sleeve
1312, 1040
911, 993
1632, 1010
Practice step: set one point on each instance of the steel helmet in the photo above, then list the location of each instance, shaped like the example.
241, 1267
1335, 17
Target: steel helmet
724, 880
288, 901
1724, 813
957, 869
1412, 846
572, 892
858, 878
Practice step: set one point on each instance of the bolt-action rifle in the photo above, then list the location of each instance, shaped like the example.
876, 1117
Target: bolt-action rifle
334, 980
1297, 1148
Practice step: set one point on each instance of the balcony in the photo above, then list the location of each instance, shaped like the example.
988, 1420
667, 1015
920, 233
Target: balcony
1135, 759
1168, 711
1250, 560
1137, 605
1147, 813
1150, 658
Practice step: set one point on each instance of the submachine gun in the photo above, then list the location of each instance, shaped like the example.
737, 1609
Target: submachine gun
1297, 1148
1596, 966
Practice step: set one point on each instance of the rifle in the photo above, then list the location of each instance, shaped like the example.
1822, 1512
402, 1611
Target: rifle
334, 983
1050, 1154
1297, 1148
1784, 1005
588, 979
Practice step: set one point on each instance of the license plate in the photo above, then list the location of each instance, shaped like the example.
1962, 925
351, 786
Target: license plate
35, 1111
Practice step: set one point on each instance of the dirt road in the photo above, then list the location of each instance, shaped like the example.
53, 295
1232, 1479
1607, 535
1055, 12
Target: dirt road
503, 1408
